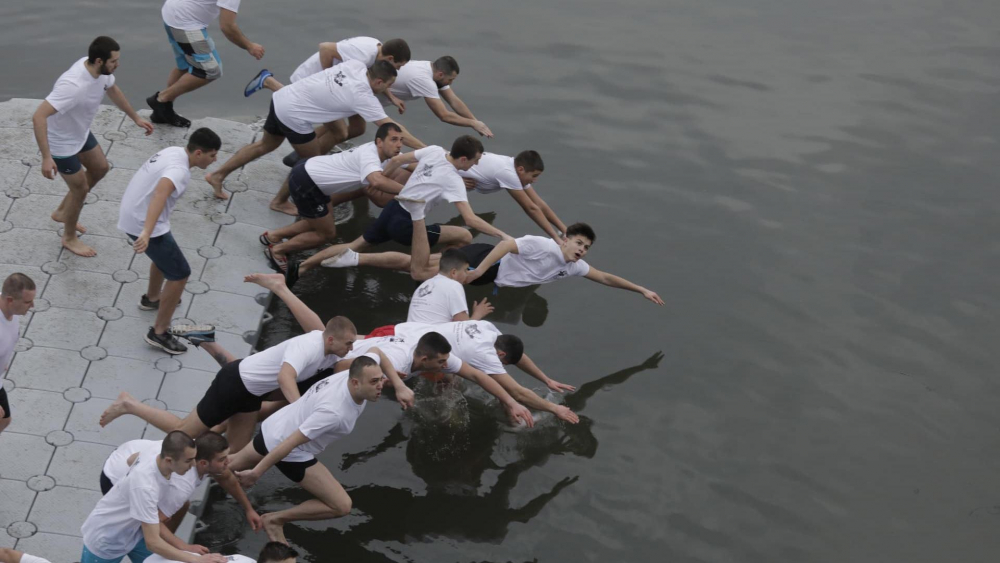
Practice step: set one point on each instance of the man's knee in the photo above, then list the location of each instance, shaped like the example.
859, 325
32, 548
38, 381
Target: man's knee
99, 171
356, 127
342, 505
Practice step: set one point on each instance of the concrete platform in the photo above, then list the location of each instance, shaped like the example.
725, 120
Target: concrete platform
82, 344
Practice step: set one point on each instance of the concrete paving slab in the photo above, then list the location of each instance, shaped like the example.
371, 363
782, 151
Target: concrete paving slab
29, 247
124, 338
108, 118
199, 198
200, 360
264, 175
47, 369
192, 230
68, 329
165, 134
62, 509
36, 184
226, 273
17, 112
233, 134
83, 425
234, 240
73, 465
17, 143
113, 254
7, 541
17, 499
153, 433
112, 375
252, 207
28, 455
48, 411
182, 389
226, 311
128, 301
80, 290
112, 186
12, 173
35, 273
57, 547
135, 152
101, 218
33, 212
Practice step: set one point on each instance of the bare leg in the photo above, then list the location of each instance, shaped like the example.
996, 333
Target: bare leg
218, 353
420, 253
184, 84
71, 206
280, 202
168, 304
161, 419
452, 236
289, 231
306, 317
155, 286
273, 85
240, 429
321, 231
245, 458
331, 501
174, 76
271, 407
249, 153
96, 166
356, 245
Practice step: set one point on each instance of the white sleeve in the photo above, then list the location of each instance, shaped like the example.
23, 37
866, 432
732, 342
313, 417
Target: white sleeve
369, 163
456, 300
528, 247
508, 179
424, 87
231, 5
421, 153
369, 109
455, 190
579, 268
318, 422
454, 364
297, 356
63, 96
179, 176
142, 505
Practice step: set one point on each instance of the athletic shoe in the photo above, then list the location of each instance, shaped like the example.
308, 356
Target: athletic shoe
146, 305
257, 83
291, 159
195, 334
166, 342
346, 259
292, 273
163, 112
279, 264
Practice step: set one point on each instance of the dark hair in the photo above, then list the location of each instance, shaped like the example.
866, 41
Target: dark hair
467, 146
210, 444
432, 344
358, 365
383, 130
273, 552
530, 160
511, 346
453, 259
581, 229
383, 70
175, 443
397, 49
339, 325
446, 65
101, 48
205, 139
17, 283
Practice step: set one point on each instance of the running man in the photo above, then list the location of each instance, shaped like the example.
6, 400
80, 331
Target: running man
62, 131
323, 98
126, 521
13, 556
198, 63
272, 552
17, 297
144, 215
435, 179
441, 299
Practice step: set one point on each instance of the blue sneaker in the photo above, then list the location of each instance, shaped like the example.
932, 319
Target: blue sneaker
257, 83
195, 334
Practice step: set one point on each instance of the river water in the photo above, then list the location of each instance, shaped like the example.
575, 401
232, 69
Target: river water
805, 183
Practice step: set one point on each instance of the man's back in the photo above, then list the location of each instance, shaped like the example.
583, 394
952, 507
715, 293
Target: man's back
437, 300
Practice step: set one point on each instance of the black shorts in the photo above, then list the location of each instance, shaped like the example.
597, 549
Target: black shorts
395, 223
294, 470
71, 164
311, 202
3, 401
274, 126
227, 396
475, 254
106, 483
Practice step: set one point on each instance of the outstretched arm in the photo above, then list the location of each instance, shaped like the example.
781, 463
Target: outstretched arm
227, 23
531, 209
408, 138
499, 251
515, 410
397, 161
118, 98
529, 367
164, 187
474, 221
229, 483
456, 103
306, 317
404, 395
381, 182
438, 108
550, 215
612, 280
39, 121
288, 384
532, 400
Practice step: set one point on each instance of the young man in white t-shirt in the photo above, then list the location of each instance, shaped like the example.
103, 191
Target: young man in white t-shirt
126, 520
198, 63
272, 552
62, 131
441, 299
17, 297
144, 215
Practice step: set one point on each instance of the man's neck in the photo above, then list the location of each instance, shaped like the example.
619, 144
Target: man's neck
93, 69
190, 158
161, 464
451, 160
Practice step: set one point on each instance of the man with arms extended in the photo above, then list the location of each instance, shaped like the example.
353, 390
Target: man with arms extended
62, 131
432, 82
198, 63
17, 297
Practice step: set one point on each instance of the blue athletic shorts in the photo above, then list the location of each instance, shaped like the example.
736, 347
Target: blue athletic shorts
71, 164
395, 223
167, 256
194, 51
138, 554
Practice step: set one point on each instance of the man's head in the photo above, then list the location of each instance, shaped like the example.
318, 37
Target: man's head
103, 52
381, 75
466, 152
529, 167
178, 451
339, 335
445, 71
396, 51
509, 349
388, 140
454, 265
365, 379
203, 147
431, 352
579, 238
212, 457
18, 294
277, 552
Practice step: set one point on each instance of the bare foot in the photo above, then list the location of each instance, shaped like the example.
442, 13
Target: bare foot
274, 530
79, 228
215, 182
272, 282
76, 247
220, 194
285, 207
117, 408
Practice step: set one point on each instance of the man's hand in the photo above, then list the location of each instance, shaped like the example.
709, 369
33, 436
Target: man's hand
211, 558
481, 308
254, 519
247, 478
565, 414
558, 387
482, 129
399, 104
49, 168
517, 412
257, 50
472, 276
470, 183
652, 296
195, 548
404, 395
142, 243
143, 124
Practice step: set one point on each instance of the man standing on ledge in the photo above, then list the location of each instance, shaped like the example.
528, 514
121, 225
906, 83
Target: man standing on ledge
198, 63
62, 131
16, 298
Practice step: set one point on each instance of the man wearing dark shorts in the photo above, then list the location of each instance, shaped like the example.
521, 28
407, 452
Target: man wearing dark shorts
17, 296
62, 131
144, 216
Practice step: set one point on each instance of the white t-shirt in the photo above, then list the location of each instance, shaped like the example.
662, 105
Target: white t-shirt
414, 80
344, 171
325, 413
154, 558
76, 97
364, 49
9, 333
181, 486
434, 179
335, 93
305, 353
400, 351
171, 163
114, 527
195, 14
471, 341
26, 558
437, 300
494, 172
539, 260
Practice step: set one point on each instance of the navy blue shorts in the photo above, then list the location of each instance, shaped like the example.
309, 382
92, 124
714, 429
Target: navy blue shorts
294, 470
167, 256
3, 402
274, 126
395, 223
71, 164
310, 201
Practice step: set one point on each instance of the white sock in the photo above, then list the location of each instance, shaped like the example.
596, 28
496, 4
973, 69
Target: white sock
346, 259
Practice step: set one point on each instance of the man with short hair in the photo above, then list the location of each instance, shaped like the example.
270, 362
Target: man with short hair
62, 131
441, 299
17, 297
144, 215
272, 552
126, 520
198, 63
325, 97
